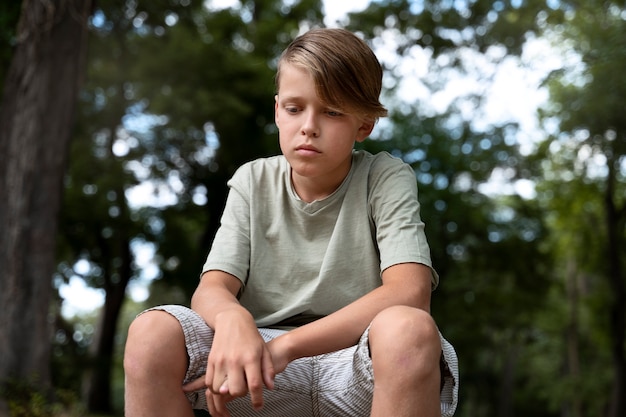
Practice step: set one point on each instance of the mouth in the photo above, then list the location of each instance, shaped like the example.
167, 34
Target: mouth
307, 150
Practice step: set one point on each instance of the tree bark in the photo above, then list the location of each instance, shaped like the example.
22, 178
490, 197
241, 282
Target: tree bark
617, 406
97, 382
36, 118
572, 287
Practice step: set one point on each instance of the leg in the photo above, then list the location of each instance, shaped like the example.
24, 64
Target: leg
405, 350
155, 362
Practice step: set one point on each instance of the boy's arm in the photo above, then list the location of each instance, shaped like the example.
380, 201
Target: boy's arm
403, 284
238, 353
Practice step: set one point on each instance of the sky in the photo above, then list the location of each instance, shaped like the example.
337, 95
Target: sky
333, 9
514, 94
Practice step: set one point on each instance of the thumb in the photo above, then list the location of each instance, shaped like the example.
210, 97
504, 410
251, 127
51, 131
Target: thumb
195, 385
267, 368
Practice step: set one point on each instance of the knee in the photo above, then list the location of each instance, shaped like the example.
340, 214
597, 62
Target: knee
405, 332
152, 336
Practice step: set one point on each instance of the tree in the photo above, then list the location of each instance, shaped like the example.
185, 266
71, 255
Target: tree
587, 157
36, 116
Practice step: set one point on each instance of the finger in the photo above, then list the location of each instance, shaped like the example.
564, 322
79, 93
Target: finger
267, 367
218, 383
254, 378
224, 387
216, 404
195, 385
208, 377
235, 384
220, 405
210, 402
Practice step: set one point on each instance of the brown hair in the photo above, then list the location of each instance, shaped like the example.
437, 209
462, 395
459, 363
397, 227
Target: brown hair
346, 72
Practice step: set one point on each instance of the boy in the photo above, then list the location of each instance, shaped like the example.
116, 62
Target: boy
314, 299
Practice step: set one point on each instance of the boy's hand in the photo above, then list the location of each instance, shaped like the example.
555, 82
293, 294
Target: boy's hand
239, 362
275, 351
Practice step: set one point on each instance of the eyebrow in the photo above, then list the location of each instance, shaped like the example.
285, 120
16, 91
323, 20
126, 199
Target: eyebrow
289, 98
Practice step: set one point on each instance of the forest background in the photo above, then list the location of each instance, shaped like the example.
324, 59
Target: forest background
121, 121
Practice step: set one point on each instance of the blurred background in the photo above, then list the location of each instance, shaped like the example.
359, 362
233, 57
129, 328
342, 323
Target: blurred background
512, 113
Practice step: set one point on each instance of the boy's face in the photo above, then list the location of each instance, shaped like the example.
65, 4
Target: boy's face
316, 140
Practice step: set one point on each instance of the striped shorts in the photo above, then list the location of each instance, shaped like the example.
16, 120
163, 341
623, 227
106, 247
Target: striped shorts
335, 384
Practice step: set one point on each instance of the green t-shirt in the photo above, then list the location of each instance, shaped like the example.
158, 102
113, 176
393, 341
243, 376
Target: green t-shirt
311, 259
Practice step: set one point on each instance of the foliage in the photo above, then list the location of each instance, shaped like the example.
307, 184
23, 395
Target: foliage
581, 176
27, 399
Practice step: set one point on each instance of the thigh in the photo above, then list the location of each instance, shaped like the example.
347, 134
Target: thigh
198, 336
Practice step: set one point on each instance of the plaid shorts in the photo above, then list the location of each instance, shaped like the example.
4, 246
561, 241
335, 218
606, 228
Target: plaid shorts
335, 384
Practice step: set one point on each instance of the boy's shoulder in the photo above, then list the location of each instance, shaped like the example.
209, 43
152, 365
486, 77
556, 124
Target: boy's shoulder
379, 162
382, 157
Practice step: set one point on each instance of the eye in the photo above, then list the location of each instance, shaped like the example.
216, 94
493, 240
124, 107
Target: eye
334, 113
291, 109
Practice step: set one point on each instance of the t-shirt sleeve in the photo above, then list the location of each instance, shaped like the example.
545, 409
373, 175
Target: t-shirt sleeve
395, 211
230, 251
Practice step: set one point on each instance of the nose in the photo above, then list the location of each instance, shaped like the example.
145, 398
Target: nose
310, 126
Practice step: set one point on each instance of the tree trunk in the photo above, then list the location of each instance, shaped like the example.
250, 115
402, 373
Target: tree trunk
572, 287
98, 380
506, 388
36, 117
616, 280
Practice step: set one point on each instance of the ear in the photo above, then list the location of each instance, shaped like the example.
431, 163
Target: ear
276, 110
365, 129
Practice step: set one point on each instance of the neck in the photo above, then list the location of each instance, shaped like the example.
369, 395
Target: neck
311, 189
